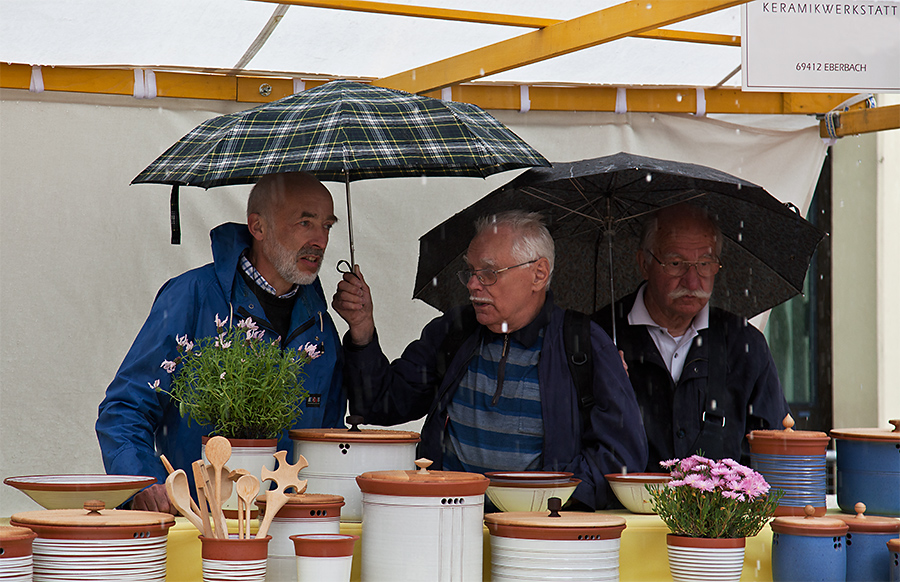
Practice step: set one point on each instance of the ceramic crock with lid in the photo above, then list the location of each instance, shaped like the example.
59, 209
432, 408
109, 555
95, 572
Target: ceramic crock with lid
95, 543
808, 548
15, 553
306, 513
868, 469
422, 525
337, 456
894, 559
793, 461
549, 544
866, 559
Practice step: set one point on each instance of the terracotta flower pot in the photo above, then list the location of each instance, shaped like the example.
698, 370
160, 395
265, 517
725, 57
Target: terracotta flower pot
232, 560
693, 559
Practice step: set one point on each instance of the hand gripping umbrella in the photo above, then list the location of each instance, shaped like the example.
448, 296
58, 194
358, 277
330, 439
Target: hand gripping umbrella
341, 131
595, 209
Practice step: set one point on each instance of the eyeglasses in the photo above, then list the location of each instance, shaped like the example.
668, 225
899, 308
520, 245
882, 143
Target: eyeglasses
486, 277
680, 268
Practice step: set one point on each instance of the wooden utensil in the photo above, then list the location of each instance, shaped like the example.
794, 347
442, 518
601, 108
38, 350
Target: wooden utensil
284, 476
218, 452
179, 492
200, 484
220, 527
247, 489
170, 470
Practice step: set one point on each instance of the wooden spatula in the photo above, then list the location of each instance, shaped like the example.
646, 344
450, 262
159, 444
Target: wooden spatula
285, 476
202, 498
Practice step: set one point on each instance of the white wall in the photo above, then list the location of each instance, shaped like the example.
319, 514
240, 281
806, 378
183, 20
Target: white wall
82, 253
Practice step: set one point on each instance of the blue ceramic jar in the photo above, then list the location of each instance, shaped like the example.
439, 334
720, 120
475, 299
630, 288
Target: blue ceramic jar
866, 558
868, 469
809, 548
894, 559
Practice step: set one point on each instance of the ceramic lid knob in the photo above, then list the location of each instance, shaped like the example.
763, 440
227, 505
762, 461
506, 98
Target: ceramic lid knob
94, 505
896, 424
554, 504
788, 423
423, 465
860, 509
354, 420
810, 511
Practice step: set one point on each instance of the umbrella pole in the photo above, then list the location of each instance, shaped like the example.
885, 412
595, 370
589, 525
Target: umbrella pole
612, 284
349, 218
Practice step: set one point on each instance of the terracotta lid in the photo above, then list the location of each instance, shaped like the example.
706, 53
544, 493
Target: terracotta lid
94, 518
15, 542
809, 526
860, 523
307, 499
788, 441
894, 545
566, 525
869, 434
423, 483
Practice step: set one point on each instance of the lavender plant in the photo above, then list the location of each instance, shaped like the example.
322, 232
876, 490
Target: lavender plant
713, 499
237, 382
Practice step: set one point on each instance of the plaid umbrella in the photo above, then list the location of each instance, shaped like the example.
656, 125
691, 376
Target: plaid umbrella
595, 209
343, 131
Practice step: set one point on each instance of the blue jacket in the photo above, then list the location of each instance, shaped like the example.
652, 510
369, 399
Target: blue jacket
409, 388
673, 413
136, 424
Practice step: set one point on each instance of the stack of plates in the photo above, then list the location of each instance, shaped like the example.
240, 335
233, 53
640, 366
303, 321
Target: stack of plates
137, 559
234, 571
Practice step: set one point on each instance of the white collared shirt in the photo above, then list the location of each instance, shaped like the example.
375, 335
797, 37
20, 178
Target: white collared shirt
674, 350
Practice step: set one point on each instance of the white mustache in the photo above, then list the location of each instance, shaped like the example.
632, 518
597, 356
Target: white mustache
480, 299
682, 292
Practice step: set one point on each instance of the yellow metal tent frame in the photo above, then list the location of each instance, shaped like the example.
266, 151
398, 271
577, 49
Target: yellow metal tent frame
551, 38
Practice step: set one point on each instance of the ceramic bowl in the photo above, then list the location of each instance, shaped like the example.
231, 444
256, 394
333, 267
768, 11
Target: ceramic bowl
71, 491
629, 489
529, 495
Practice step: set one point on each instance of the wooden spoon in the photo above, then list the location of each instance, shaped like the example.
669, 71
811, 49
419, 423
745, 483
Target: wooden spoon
218, 452
247, 489
170, 470
200, 484
179, 492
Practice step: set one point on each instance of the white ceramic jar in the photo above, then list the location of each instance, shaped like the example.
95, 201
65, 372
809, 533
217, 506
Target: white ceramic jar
337, 456
422, 525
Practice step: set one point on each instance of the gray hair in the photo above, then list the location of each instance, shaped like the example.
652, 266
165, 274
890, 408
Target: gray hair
651, 225
533, 240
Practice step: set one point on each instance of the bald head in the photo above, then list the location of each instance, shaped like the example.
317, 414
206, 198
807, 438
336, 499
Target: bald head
269, 191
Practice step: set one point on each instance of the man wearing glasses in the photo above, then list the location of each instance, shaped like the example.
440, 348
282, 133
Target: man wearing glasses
704, 378
492, 378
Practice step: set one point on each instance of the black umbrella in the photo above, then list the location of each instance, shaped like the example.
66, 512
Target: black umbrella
595, 209
342, 131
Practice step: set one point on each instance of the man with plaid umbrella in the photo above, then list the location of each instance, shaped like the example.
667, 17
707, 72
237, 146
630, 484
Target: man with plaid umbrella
266, 269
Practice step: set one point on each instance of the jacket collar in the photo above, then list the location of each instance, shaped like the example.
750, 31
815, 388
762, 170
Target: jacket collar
530, 333
229, 240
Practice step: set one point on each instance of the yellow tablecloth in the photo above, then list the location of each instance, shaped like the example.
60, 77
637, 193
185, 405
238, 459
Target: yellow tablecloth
642, 556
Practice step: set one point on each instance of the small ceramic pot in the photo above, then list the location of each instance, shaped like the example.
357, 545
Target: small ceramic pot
324, 557
234, 560
868, 534
894, 559
337, 456
868, 469
249, 454
544, 545
809, 548
15, 553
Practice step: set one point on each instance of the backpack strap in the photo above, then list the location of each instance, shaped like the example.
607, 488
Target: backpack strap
580, 357
460, 328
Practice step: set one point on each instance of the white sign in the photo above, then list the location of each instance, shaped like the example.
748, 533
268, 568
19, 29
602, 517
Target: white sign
847, 46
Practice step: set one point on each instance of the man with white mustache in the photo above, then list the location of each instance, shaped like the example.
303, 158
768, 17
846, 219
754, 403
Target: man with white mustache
500, 397
704, 378
266, 270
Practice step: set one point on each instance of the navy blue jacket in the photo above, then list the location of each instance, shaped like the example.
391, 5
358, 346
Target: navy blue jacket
673, 412
409, 388
135, 424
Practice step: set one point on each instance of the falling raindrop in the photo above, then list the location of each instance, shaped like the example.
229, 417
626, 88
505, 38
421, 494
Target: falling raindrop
424, 179
740, 237
750, 409
652, 119
481, 71
649, 6
742, 224
746, 348
737, 131
679, 97
434, 282
713, 404
504, 327
649, 177
699, 341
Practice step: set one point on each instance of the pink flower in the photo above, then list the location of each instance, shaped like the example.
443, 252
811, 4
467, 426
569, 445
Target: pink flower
675, 483
754, 486
221, 343
733, 495
168, 366
312, 351
220, 323
247, 323
668, 464
703, 484
154, 385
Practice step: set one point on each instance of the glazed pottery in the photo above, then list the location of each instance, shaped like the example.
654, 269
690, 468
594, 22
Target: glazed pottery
249, 454
324, 557
868, 469
97, 544
71, 491
809, 548
631, 489
234, 560
422, 525
698, 559
793, 461
16, 564
552, 545
307, 513
337, 456
868, 534
894, 559
526, 496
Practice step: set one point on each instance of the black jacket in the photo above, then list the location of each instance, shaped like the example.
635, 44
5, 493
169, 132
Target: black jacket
673, 414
